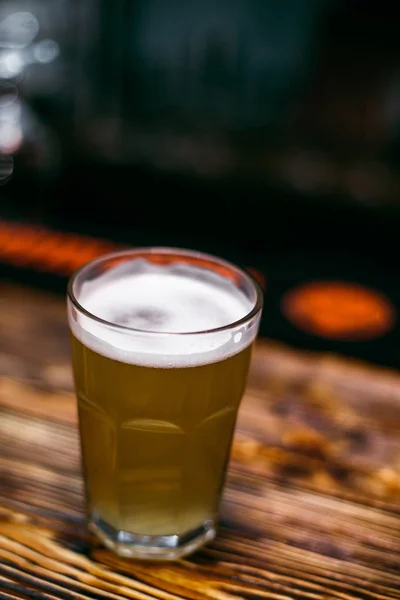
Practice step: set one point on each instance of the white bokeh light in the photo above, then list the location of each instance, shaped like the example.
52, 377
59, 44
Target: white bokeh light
11, 64
18, 30
10, 137
46, 51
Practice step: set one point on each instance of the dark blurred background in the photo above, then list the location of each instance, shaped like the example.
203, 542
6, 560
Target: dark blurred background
266, 131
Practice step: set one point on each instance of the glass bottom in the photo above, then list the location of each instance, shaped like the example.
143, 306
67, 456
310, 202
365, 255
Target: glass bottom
151, 547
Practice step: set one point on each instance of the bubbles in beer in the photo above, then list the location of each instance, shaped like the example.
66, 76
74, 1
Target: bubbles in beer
179, 299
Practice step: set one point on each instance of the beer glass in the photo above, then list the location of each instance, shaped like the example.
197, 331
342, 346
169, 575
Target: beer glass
161, 346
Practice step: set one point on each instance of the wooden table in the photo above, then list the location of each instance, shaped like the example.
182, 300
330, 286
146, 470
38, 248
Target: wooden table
311, 508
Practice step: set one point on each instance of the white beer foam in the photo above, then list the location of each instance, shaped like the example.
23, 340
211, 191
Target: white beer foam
163, 300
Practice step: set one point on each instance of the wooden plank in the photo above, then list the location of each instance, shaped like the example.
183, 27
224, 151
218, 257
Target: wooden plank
312, 503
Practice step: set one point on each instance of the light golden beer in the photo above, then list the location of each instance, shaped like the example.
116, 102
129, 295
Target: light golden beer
155, 441
158, 401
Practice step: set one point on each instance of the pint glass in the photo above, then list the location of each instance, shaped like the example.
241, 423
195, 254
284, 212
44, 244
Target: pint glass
161, 345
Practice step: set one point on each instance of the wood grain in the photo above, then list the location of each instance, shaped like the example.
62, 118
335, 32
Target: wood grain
311, 508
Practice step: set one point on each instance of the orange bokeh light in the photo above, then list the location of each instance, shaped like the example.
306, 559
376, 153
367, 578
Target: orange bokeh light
339, 310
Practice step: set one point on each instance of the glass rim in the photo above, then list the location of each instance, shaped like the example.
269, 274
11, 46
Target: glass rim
164, 250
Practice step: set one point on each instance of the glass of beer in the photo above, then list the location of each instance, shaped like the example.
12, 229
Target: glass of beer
161, 346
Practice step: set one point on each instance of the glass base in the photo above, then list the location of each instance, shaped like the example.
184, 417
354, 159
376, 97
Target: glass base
151, 547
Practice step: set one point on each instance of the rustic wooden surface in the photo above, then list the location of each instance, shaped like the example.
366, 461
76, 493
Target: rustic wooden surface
312, 504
